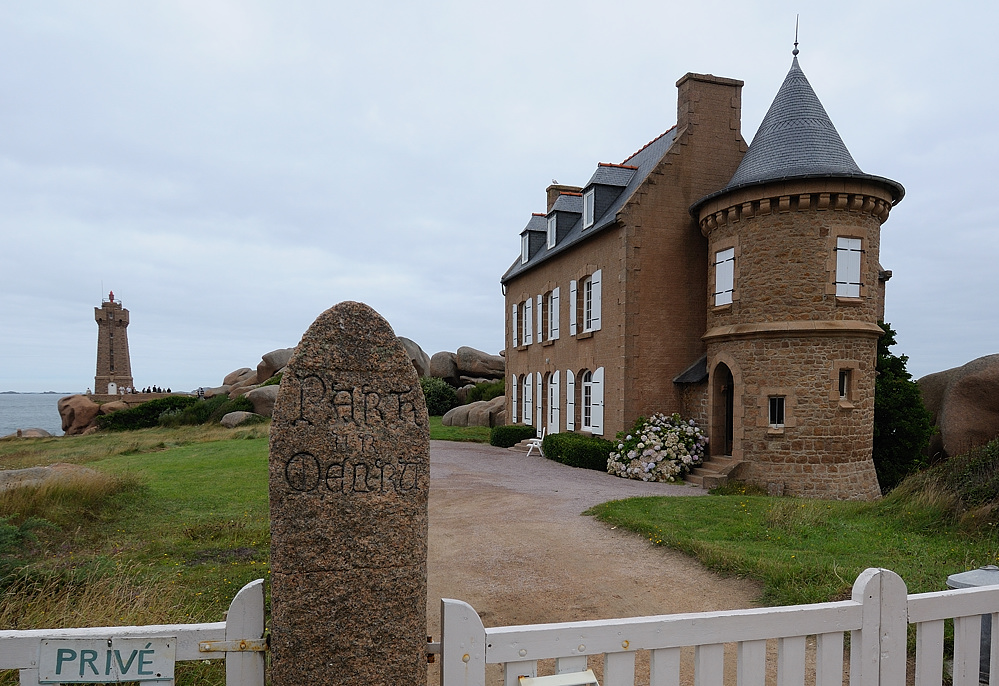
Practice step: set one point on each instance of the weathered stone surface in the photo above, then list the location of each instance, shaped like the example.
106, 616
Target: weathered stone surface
77, 412
462, 393
114, 406
235, 392
475, 363
420, 359
29, 433
248, 380
272, 362
233, 378
217, 390
349, 479
263, 399
966, 410
443, 365
34, 476
234, 419
480, 413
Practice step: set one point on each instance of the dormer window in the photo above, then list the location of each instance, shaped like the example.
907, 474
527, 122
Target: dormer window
552, 230
525, 248
589, 198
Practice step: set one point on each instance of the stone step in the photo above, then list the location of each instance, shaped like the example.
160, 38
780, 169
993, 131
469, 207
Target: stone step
713, 472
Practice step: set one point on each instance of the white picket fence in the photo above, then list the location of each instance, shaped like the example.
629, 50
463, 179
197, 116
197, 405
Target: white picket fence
239, 640
877, 617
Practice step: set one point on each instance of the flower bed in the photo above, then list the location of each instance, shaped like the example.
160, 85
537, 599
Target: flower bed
659, 448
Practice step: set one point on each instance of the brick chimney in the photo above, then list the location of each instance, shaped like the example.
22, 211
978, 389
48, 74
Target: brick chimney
703, 99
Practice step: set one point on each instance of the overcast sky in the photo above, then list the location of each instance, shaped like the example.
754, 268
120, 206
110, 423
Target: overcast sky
232, 169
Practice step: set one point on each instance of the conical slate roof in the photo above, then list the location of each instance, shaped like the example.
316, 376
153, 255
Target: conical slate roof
796, 138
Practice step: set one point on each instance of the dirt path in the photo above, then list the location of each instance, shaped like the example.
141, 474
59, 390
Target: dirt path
506, 536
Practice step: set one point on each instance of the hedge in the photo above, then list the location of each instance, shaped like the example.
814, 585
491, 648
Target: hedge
510, 435
576, 450
144, 416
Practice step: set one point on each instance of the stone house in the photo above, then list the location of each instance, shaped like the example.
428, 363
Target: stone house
737, 285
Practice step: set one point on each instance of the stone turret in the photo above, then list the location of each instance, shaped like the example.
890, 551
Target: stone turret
114, 368
795, 292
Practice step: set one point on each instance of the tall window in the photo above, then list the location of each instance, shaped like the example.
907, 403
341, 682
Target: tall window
724, 276
591, 294
848, 254
777, 411
587, 398
525, 248
552, 229
551, 315
528, 319
844, 384
589, 198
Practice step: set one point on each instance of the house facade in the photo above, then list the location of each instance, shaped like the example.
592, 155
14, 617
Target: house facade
737, 285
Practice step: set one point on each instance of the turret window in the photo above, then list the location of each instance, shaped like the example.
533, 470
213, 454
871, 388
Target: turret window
776, 412
724, 276
848, 258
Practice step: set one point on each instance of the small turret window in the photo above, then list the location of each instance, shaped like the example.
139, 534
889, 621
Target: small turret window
552, 230
525, 248
724, 276
848, 257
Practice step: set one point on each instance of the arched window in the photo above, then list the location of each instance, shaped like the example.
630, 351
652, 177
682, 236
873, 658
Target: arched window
586, 381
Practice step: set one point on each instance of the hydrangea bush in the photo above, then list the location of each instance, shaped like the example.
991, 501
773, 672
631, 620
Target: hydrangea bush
659, 448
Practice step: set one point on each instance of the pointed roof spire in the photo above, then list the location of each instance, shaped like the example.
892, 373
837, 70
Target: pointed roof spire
796, 138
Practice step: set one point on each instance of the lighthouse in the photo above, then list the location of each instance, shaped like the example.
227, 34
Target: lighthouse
114, 368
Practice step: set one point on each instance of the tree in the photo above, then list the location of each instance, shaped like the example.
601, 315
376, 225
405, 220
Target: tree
902, 425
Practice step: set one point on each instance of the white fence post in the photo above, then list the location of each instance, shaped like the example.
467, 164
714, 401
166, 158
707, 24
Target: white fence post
463, 645
245, 620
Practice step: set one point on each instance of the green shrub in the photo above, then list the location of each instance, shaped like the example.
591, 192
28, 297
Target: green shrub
238, 404
273, 381
487, 390
576, 450
439, 395
144, 416
509, 435
902, 427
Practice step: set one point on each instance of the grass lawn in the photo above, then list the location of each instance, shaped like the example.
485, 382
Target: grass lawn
808, 551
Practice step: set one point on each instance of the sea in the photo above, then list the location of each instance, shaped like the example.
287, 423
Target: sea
30, 411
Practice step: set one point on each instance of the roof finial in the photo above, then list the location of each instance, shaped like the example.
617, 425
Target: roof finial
795, 51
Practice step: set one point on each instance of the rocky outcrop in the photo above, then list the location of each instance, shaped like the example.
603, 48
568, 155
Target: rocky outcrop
444, 365
481, 413
234, 419
273, 362
475, 363
235, 377
218, 390
419, 358
964, 404
36, 476
29, 433
78, 413
263, 399
108, 408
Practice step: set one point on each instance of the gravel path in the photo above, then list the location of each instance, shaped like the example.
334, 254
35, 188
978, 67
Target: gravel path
506, 536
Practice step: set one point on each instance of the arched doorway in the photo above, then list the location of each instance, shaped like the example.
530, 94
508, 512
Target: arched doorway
722, 410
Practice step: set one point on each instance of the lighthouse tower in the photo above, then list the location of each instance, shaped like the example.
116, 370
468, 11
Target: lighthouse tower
114, 368
795, 293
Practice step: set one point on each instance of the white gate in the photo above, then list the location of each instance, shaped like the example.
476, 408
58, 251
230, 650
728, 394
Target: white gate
876, 616
40, 654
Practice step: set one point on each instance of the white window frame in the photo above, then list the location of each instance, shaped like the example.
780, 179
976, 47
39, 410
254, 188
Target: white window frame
553, 305
539, 406
724, 276
525, 248
592, 298
513, 398
554, 406
513, 323
541, 318
528, 399
573, 303
589, 205
528, 321
597, 402
776, 411
570, 400
552, 230
586, 383
849, 257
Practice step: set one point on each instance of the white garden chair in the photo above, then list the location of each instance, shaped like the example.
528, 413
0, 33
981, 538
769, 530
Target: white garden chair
535, 444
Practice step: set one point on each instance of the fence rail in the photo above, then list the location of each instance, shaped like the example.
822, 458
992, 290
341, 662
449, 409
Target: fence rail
238, 640
876, 616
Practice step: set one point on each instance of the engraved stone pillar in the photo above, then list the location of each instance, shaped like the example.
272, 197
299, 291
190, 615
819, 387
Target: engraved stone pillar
349, 476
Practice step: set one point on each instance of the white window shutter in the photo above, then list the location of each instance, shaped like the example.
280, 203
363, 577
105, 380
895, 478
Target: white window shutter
555, 306
541, 317
528, 399
513, 324
537, 386
597, 411
596, 300
570, 400
528, 321
572, 307
556, 406
513, 399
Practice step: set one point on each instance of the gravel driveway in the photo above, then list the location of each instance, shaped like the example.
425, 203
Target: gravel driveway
506, 536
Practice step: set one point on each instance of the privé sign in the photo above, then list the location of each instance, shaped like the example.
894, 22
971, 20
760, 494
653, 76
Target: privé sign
97, 660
